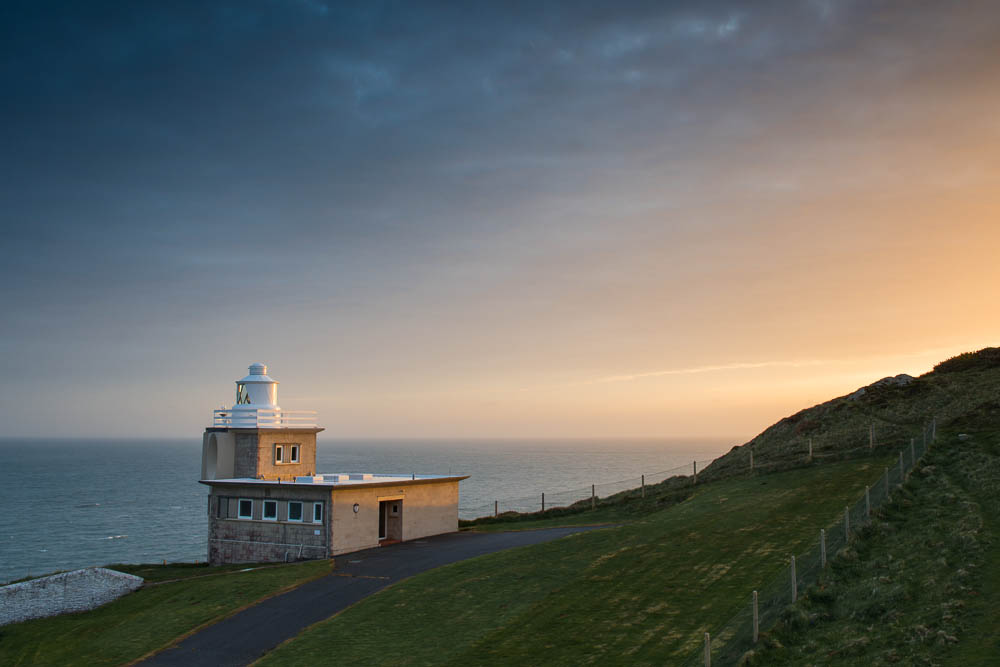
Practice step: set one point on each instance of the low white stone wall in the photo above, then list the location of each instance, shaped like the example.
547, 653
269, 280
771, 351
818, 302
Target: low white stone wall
78, 590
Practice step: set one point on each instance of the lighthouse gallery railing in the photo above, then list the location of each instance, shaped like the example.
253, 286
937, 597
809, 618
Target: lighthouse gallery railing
265, 418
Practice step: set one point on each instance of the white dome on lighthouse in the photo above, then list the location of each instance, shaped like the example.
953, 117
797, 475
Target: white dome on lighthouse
257, 389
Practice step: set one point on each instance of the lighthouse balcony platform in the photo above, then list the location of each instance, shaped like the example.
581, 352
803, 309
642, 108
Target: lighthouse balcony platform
245, 417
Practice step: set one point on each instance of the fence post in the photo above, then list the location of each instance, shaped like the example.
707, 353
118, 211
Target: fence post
822, 548
810, 449
593, 497
643, 486
933, 429
795, 582
871, 436
868, 502
694, 467
543, 501
847, 524
913, 452
902, 472
756, 619
751, 460
708, 650
496, 508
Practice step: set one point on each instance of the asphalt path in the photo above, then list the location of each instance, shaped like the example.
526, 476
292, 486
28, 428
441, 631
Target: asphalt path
249, 634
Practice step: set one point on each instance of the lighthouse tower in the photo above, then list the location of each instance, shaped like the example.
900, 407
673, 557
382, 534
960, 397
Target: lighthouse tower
255, 438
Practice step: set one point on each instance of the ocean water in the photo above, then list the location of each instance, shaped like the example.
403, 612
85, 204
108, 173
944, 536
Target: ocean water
76, 503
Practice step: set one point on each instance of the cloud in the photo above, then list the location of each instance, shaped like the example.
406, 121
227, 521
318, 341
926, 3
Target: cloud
935, 354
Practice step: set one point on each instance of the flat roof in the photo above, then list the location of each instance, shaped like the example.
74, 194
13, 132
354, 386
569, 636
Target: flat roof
340, 480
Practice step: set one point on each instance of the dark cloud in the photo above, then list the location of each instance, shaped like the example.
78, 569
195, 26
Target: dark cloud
171, 162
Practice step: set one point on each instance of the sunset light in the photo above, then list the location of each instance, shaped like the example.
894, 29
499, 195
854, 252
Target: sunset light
664, 222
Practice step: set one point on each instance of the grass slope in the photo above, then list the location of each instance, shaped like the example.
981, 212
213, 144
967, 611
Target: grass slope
923, 584
895, 408
619, 508
150, 619
641, 593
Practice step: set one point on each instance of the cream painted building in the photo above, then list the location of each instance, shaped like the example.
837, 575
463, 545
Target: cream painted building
266, 502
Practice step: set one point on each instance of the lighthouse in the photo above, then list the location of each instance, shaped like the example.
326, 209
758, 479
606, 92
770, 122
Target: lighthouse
255, 438
267, 503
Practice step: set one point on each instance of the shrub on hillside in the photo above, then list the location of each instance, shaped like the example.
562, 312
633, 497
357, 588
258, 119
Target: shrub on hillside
988, 357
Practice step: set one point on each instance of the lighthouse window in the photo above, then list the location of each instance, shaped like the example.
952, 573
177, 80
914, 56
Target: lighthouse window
246, 509
270, 510
242, 396
294, 511
286, 453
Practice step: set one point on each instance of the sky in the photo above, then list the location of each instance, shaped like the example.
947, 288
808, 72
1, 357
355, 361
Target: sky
464, 220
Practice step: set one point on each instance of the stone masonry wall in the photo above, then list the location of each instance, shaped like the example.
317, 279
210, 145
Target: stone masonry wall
78, 590
234, 540
266, 465
246, 455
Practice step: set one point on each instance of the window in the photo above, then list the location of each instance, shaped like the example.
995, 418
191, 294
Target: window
242, 396
286, 453
317, 512
270, 510
294, 511
246, 509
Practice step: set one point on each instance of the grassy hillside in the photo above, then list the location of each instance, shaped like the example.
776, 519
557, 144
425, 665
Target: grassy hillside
641, 593
893, 409
923, 584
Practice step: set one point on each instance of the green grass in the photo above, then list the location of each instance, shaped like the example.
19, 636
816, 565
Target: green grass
922, 585
149, 619
619, 508
641, 593
897, 412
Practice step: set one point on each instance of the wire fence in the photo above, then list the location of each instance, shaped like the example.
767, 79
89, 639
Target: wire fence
589, 496
772, 602
834, 444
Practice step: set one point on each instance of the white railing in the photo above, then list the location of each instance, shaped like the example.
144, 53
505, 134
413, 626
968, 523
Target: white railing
265, 418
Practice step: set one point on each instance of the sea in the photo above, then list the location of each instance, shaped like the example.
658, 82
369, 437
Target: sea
77, 503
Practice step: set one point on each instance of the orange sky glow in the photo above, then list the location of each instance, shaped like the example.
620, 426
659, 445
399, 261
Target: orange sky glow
673, 222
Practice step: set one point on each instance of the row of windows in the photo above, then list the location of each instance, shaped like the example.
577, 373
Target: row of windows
294, 510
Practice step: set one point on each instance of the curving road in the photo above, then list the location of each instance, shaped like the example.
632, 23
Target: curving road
246, 636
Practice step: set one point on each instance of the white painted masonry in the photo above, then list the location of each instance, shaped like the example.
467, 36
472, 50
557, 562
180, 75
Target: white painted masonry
78, 590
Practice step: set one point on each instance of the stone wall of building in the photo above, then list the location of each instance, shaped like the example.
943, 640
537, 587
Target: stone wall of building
257, 540
255, 453
427, 508
270, 469
78, 590
246, 454
430, 509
